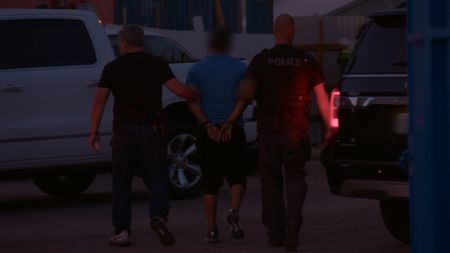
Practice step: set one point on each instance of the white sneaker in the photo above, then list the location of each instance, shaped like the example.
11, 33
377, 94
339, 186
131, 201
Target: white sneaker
120, 240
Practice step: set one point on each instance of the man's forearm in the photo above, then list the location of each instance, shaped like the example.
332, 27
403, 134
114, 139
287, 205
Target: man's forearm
100, 99
177, 88
247, 89
197, 112
323, 103
96, 117
238, 110
324, 108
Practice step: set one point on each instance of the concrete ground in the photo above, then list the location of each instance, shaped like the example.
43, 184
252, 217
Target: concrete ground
33, 222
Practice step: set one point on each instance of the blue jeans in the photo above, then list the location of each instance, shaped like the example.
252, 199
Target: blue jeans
138, 148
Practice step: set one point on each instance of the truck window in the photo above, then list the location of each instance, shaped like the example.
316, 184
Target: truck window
160, 46
44, 43
381, 50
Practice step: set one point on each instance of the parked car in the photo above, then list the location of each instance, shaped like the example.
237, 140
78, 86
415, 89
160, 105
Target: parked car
370, 119
50, 65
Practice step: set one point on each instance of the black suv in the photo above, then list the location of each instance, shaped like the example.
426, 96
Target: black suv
370, 118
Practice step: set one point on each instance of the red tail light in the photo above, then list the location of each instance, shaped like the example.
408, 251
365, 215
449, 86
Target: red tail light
334, 109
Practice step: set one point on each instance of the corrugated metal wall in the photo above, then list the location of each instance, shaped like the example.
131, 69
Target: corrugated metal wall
259, 16
166, 14
178, 14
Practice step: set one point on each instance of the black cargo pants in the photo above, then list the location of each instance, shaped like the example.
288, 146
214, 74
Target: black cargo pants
281, 161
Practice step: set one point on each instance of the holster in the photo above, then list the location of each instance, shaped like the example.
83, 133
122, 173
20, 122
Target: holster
303, 148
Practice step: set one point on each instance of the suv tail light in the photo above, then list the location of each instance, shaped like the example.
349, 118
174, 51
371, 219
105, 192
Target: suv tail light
334, 109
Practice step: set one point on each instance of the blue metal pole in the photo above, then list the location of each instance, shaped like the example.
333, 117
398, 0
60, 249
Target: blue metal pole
429, 92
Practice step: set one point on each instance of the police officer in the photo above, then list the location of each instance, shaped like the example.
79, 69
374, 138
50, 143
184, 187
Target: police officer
281, 79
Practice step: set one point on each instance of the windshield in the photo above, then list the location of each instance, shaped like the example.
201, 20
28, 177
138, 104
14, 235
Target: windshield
159, 46
382, 50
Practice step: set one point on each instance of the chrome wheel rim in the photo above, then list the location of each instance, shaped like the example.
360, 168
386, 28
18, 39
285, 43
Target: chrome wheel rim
184, 170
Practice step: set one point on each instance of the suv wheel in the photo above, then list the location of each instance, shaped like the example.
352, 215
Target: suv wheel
396, 218
184, 169
64, 185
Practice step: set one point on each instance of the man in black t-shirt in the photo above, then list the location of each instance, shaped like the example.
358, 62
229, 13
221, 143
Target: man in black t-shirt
281, 79
135, 80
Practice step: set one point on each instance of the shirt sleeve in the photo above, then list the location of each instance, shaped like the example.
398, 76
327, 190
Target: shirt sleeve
190, 78
243, 71
107, 77
255, 68
166, 72
316, 74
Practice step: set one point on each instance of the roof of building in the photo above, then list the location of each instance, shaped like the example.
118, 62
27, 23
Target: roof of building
347, 7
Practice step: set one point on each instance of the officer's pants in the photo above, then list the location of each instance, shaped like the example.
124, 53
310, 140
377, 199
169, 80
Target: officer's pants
281, 161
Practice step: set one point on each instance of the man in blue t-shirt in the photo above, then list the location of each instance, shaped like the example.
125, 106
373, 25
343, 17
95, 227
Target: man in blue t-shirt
222, 142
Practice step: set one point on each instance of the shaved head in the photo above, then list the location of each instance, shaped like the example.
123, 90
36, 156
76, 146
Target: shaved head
284, 29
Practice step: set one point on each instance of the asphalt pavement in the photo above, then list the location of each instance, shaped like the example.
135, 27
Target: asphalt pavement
34, 222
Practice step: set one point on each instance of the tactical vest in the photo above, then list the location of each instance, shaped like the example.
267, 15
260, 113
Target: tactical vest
286, 82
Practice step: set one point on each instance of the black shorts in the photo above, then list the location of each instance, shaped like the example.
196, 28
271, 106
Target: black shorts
223, 160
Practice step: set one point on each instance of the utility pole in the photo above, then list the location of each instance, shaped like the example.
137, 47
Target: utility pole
218, 11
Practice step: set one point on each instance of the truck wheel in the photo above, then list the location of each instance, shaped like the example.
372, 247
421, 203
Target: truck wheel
67, 185
184, 165
396, 218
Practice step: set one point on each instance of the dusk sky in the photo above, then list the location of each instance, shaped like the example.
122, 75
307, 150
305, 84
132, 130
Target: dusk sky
306, 7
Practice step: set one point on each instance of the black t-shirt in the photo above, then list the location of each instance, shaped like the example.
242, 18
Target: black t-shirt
282, 73
136, 81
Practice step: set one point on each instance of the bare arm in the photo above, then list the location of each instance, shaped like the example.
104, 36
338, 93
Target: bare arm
323, 103
98, 107
212, 130
177, 88
247, 89
245, 95
237, 111
194, 107
227, 127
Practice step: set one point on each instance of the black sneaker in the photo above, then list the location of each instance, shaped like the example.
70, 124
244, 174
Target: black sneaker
275, 244
166, 237
292, 238
276, 238
236, 230
212, 236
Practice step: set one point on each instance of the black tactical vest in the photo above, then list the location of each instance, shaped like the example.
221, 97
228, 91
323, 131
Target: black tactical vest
285, 83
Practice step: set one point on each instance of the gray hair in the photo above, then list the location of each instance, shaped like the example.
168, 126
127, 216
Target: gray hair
132, 35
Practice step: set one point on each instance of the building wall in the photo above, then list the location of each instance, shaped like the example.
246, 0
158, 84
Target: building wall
367, 7
164, 14
259, 16
177, 15
104, 8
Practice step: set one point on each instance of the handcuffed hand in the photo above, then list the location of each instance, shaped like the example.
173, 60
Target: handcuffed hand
214, 133
226, 131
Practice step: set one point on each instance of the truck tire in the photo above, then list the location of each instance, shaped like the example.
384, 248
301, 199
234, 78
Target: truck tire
184, 164
64, 186
395, 214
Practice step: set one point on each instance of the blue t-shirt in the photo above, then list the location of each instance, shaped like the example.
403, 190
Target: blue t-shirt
217, 77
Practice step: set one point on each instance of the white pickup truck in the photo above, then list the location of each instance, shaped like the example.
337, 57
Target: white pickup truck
50, 64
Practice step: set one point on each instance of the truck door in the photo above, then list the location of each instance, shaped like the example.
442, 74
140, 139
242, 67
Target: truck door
48, 73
